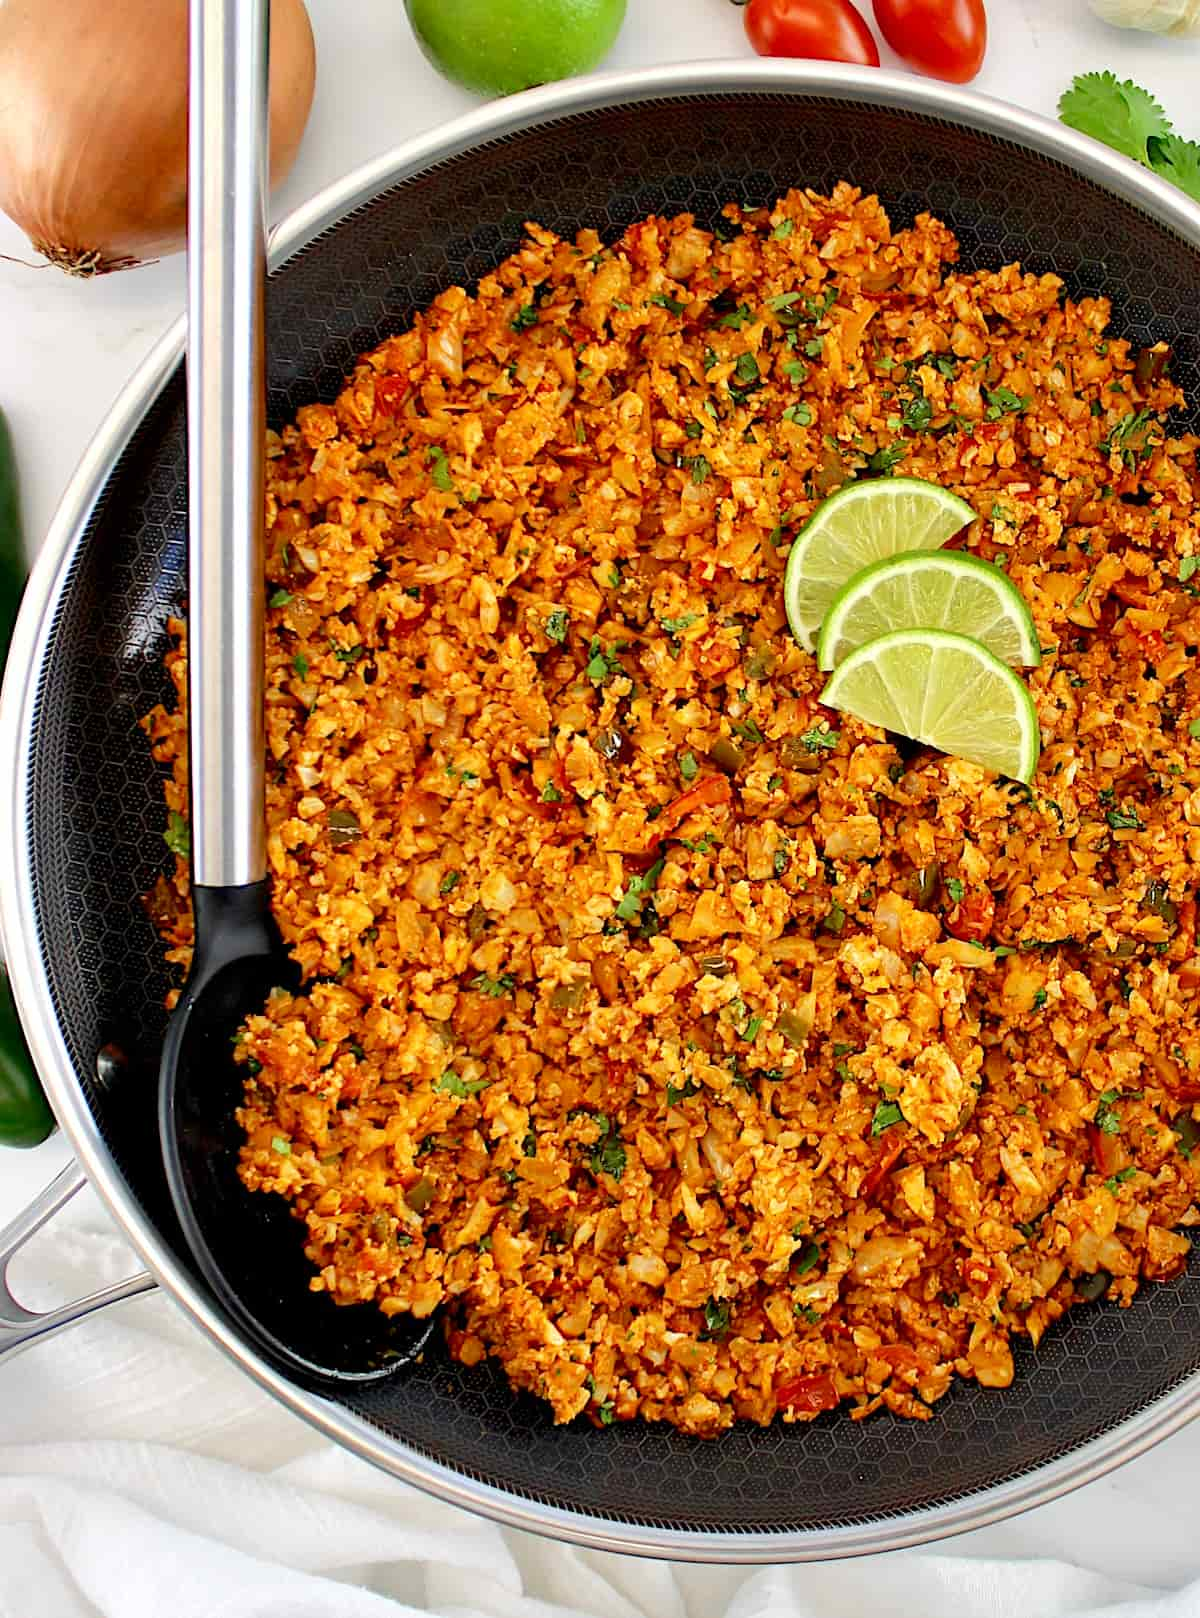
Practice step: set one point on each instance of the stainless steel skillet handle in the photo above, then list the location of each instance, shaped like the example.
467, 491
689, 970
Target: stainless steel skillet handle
20, 1327
226, 398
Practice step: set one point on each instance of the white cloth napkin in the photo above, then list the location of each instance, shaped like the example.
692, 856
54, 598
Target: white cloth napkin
141, 1476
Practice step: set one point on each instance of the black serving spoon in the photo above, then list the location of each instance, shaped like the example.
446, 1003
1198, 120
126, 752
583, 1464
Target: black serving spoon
249, 1248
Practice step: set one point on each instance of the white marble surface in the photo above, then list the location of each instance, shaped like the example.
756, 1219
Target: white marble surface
66, 348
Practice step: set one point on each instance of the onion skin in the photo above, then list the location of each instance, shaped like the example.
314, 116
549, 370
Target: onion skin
93, 137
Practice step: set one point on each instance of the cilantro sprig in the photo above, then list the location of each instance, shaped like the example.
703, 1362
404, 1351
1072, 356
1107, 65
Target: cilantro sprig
1124, 116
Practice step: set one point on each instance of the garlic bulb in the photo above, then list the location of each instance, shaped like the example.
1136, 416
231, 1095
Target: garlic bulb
1180, 17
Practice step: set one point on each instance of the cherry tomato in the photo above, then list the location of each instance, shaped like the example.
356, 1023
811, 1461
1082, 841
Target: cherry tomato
944, 38
832, 30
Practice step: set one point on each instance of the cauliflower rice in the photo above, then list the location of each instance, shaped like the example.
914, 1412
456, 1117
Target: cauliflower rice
706, 1055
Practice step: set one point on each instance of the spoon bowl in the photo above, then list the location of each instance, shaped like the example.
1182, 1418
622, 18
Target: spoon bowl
250, 1249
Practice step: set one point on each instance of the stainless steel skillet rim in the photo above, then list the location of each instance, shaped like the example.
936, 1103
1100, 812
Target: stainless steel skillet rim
18, 922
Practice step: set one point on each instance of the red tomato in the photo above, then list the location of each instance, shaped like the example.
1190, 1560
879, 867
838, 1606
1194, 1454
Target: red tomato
832, 30
944, 38
389, 394
971, 918
808, 1394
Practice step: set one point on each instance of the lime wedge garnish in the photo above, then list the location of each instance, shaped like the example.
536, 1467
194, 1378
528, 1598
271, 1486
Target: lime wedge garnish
931, 590
944, 690
863, 523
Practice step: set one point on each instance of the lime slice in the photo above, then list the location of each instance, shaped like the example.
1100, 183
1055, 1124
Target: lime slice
863, 523
945, 690
931, 590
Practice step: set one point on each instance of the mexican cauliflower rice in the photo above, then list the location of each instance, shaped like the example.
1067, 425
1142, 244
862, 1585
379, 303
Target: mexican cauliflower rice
703, 1054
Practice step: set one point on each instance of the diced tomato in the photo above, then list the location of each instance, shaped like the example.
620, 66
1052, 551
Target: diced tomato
903, 1358
883, 1165
824, 227
409, 621
1150, 643
977, 1274
1107, 1156
389, 394
705, 794
808, 1395
972, 917
616, 1072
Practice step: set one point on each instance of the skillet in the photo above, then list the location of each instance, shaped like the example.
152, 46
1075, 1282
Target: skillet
81, 812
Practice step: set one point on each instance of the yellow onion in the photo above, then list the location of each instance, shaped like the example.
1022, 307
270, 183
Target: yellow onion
1180, 17
93, 132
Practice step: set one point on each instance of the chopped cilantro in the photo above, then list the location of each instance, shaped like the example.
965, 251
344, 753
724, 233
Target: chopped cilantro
917, 414
887, 1113
800, 414
748, 730
630, 904
494, 988
1039, 999
676, 626
681, 1092
1194, 729
607, 1155
281, 598
283, 1147
440, 474
1120, 1177
1124, 820
818, 308
806, 1259
884, 461
300, 664
814, 347
750, 1032
783, 230
746, 369
601, 664
449, 882
795, 371
1003, 402
688, 767
525, 317
178, 835
700, 468
806, 1313
1187, 566
550, 793
1130, 438
452, 1085
819, 737
665, 301
741, 316
835, 919
558, 622
955, 889
1107, 1119
717, 1316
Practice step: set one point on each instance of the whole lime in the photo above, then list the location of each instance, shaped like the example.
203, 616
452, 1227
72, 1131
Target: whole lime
500, 46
